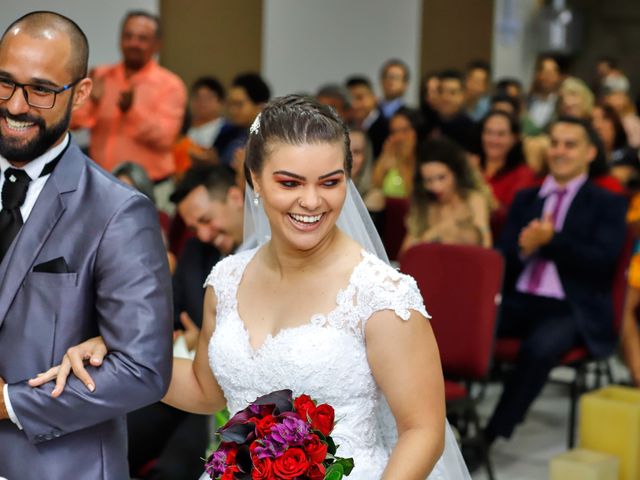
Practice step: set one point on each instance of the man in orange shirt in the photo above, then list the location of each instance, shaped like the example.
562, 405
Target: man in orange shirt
137, 107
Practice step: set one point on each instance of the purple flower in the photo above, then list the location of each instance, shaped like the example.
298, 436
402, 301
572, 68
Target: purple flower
291, 431
270, 448
216, 464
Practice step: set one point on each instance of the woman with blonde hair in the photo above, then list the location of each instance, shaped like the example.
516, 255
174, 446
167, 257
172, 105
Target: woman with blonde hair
576, 98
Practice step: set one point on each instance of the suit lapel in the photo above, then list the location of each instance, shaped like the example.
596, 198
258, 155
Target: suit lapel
577, 207
43, 218
536, 208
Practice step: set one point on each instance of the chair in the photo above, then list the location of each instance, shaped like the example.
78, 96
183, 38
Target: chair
578, 358
461, 289
394, 229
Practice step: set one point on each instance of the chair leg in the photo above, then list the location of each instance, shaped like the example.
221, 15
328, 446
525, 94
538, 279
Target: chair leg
481, 440
609, 371
576, 388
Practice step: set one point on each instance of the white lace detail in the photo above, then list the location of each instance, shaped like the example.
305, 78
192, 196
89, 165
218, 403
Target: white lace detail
325, 358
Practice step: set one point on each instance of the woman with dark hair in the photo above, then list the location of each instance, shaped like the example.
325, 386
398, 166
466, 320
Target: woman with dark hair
311, 310
447, 205
502, 160
393, 172
622, 159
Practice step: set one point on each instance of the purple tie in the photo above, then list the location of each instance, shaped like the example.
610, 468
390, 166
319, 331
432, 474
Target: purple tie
539, 264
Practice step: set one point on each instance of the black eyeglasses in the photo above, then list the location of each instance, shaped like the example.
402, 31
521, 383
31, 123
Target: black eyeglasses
37, 96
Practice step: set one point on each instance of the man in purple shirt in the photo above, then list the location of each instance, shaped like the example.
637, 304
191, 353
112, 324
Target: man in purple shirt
561, 243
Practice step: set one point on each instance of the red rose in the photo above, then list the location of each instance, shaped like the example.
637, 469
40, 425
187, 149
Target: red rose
228, 473
322, 419
316, 472
315, 449
263, 426
304, 406
231, 456
262, 469
291, 464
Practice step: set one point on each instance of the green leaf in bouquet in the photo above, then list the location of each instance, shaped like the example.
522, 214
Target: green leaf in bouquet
346, 463
334, 472
221, 418
331, 446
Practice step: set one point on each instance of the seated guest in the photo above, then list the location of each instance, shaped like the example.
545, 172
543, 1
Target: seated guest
542, 100
477, 82
247, 96
576, 98
134, 175
335, 96
617, 95
212, 206
429, 97
622, 159
502, 160
453, 121
365, 112
510, 86
447, 204
206, 105
394, 80
561, 243
394, 169
362, 160
505, 103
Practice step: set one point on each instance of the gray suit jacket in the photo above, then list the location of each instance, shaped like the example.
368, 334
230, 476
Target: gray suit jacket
117, 285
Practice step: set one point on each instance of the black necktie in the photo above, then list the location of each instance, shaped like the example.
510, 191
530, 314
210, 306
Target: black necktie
14, 193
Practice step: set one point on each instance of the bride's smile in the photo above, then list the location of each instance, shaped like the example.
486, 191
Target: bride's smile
303, 188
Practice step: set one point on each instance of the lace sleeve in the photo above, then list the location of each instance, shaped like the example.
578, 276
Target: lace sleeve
225, 276
383, 288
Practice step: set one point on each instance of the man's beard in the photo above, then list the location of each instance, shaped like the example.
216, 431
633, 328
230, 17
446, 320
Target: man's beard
16, 151
134, 59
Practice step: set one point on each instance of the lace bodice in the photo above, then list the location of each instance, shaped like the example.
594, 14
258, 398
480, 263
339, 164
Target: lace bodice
324, 358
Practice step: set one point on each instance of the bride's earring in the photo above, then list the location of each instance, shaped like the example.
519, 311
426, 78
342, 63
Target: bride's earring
256, 199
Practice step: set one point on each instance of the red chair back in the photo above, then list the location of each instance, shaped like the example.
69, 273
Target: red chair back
461, 289
394, 228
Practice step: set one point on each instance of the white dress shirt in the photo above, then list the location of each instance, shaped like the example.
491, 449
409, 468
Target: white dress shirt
33, 169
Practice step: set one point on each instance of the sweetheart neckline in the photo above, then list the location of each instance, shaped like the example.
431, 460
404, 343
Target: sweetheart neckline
270, 337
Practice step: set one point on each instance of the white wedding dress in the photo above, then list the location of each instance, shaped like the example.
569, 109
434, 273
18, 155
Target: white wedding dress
325, 358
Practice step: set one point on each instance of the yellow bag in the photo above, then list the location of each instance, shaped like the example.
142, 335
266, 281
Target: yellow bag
610, 423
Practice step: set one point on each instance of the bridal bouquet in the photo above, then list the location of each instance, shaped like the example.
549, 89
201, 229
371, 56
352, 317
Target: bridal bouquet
281, 438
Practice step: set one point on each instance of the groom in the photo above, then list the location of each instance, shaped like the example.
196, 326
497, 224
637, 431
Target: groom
80, 255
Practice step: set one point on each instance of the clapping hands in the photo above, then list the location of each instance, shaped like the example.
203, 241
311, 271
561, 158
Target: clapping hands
537, 234
126, 100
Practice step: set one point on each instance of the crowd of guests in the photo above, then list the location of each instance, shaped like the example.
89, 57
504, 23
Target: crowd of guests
544, 175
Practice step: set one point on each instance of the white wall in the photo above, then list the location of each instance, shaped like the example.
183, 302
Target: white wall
100, 20
514, 50
307, 43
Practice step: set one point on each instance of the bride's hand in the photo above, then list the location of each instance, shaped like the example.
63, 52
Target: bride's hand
92, 350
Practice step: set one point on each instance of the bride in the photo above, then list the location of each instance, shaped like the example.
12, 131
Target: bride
312, 311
